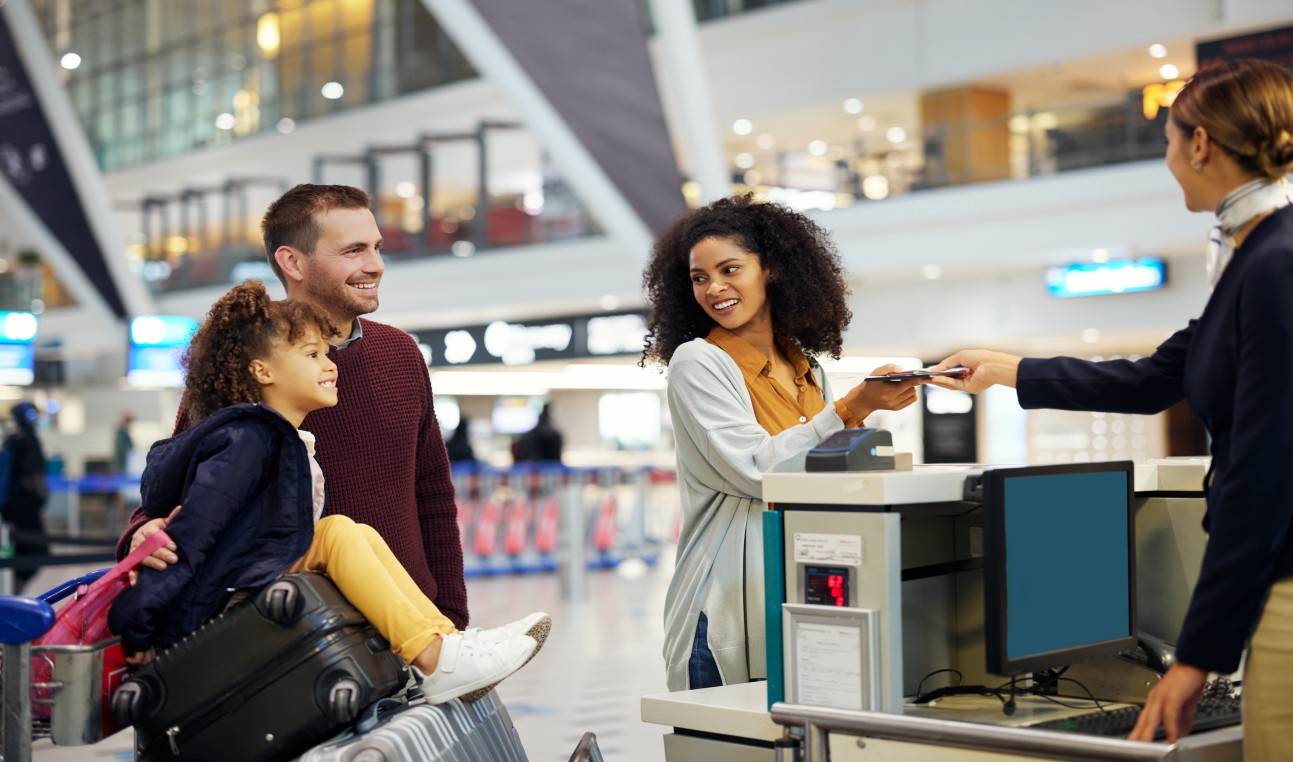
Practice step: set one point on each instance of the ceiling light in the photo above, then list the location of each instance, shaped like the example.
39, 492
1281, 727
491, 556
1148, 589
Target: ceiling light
742, 126
1157, 51
853, 106
70, 61
225, 121
818, 148
896, 134
931, 272
404, 189
1168, 71
332, 91
744, 160
866, 123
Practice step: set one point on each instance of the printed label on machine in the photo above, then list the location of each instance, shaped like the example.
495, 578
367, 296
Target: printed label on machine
829, 665
834, 549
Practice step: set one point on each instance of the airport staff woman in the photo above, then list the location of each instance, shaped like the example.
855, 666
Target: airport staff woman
741, 295
1230, 147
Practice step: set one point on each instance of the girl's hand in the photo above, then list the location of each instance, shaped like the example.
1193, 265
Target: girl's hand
141, 659
163, 556
870, 396
985, 368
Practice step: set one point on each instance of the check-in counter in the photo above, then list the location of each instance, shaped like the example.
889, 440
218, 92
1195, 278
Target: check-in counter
907, 545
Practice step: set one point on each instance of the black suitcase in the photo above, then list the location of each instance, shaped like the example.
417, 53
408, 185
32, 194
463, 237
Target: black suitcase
266, 680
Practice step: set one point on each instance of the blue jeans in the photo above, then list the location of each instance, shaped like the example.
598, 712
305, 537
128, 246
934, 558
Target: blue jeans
702, 669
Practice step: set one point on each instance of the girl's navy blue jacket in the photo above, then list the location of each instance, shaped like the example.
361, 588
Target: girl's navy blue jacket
1234, 366
243, 478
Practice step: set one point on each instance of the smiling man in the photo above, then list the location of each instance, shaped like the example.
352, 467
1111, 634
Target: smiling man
380, 447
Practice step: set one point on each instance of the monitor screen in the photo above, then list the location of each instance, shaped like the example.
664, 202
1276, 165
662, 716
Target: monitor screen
1059, 565
17, 348
157, 342
515, 415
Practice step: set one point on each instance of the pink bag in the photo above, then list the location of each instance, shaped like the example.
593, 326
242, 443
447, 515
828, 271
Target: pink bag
84, 622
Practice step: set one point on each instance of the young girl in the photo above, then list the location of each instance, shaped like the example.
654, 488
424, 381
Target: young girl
252, 497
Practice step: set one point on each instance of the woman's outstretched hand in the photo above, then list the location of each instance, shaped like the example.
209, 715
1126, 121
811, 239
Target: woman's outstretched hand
870, 396
984, 368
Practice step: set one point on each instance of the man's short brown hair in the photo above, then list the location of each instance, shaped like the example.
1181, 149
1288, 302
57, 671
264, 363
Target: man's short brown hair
289, 221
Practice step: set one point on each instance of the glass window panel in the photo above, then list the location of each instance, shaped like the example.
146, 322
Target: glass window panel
133, 31
323, 64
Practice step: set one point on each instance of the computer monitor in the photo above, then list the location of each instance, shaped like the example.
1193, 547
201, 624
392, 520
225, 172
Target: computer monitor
1059, 565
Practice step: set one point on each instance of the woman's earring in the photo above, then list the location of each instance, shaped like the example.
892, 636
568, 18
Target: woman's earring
1196, 166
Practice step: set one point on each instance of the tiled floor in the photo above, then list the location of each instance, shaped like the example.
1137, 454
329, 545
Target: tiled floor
602, 657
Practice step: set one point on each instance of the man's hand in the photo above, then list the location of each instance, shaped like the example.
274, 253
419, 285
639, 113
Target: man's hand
163, 556
1171, 704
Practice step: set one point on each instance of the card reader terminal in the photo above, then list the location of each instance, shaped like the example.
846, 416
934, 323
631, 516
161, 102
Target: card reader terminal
853, 450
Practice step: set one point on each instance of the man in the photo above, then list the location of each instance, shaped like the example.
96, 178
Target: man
380, 447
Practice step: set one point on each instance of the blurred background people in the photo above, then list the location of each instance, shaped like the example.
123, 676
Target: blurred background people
25, 498
541, 444
122, 445
458, 445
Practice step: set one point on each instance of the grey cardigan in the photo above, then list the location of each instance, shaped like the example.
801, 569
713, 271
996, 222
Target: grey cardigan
723, 453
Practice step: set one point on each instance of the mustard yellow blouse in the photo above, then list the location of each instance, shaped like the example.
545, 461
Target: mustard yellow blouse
775, 408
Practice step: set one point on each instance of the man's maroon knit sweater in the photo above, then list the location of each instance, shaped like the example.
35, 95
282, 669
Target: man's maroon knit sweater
384, 461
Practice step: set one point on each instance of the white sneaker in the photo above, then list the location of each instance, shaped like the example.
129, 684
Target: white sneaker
537, 625
474, 665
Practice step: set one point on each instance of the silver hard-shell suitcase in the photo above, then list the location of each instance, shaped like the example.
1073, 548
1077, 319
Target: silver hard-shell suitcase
450, 732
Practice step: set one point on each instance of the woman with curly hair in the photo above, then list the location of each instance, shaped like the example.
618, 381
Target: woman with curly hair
254, 500
742, 294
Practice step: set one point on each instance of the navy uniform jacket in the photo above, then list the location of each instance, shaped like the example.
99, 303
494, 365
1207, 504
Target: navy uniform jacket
243, 477
1234, 366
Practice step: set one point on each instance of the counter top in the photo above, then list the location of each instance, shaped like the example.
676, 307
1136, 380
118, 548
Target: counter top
733, 710
945, 483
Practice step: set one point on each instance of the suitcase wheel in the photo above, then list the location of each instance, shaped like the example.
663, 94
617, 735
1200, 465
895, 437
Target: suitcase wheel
343, 701
281, 602
129, 702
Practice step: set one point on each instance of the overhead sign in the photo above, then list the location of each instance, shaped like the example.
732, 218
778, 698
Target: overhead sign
17, 350
1274, 45
1118, 276
522, 342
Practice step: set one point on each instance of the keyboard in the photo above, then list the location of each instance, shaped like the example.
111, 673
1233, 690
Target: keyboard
1215, 711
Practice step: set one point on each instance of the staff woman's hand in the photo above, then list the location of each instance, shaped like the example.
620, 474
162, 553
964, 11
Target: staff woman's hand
1171, 703
984, 368
870, 396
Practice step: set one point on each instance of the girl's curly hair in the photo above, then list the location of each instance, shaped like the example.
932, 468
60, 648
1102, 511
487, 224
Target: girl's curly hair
243, 325
806, 286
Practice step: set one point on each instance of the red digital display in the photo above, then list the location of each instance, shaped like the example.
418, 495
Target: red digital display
826, 586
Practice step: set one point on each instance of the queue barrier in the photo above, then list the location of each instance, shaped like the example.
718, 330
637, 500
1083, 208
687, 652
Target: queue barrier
518, 520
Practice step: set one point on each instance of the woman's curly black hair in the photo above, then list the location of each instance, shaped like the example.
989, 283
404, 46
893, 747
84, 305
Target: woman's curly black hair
806, 286
243, 325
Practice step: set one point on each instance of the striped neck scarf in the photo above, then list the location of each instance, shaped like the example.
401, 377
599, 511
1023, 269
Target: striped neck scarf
1237, 209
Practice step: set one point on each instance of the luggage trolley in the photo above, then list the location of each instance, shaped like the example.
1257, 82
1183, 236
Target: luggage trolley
72, 707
